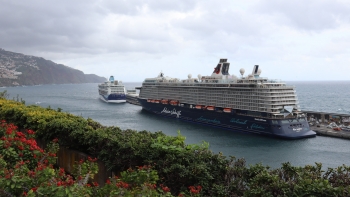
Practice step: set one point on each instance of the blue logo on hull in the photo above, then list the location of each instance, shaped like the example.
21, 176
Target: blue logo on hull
256, 126
208, 120
238, 121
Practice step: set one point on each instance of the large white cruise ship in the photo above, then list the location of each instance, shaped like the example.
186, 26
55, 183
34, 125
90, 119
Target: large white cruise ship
249, 103
112, 91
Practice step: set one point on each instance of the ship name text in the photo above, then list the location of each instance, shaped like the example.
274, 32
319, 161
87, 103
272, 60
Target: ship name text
172, 112
258, 119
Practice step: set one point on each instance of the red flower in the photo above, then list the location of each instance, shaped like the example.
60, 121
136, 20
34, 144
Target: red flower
30, 132
165, 189
61, 173
122, 185
92, 160
108, 182
195, 189
20, 134
34, 189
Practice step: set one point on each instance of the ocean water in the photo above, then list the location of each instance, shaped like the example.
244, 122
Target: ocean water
82, 100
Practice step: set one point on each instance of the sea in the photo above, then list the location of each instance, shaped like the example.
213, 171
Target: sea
323, 96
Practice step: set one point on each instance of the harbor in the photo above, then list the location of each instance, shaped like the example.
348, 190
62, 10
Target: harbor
329, 124
82, 100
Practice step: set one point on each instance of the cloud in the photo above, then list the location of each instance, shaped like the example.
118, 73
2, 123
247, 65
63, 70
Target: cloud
180, 37
314, 15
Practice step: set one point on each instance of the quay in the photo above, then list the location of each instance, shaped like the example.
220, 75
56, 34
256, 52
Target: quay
131, 97
323, 131
329, 124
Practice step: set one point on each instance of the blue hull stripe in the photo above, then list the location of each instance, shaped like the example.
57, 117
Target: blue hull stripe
231, 121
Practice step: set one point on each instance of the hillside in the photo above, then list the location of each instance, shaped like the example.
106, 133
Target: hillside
19, 69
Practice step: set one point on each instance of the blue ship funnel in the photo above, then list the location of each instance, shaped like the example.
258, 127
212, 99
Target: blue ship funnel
111, 79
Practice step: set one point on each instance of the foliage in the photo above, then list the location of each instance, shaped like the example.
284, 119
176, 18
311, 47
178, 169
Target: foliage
27, 170
4, 94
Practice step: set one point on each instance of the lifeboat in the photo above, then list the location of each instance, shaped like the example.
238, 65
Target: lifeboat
164, 101
174, 102
156, 101
211, 108
152, 101
227, 110
148, 100
198, 107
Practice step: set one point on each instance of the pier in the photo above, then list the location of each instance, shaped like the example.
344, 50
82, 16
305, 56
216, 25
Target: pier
131, 97
329, 124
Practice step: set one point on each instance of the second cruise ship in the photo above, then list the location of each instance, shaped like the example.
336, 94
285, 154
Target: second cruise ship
112, 91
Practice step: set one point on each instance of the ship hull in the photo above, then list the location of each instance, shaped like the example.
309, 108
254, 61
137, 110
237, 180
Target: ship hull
287, 129
113, 98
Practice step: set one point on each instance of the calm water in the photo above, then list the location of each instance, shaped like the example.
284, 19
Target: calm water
82, 100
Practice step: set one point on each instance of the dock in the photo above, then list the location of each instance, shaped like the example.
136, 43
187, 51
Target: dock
323, 131
319, 121
132, 97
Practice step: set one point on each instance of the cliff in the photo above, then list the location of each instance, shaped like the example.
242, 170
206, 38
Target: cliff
20, 69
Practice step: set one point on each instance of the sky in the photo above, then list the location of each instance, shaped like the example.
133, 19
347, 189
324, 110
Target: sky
136, 39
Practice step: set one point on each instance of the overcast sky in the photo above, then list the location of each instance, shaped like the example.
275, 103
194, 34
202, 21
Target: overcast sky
133, 39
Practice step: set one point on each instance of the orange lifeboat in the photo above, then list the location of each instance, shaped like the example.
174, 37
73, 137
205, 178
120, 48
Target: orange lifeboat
157, 101
152, 101
211, 108
149, 100
174, 102
227, 110
164, 101
198, 107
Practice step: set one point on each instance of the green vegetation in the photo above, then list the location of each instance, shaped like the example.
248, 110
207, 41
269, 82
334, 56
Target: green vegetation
179, 167
28, 170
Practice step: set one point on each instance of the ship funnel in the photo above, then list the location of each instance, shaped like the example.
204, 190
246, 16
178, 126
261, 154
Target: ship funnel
255, 72
111, 79
222, 68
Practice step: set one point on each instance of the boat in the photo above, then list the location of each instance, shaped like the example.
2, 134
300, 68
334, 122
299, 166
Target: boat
211, 108
174, 102
251, 103
227, 110
198, 107
112, 91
